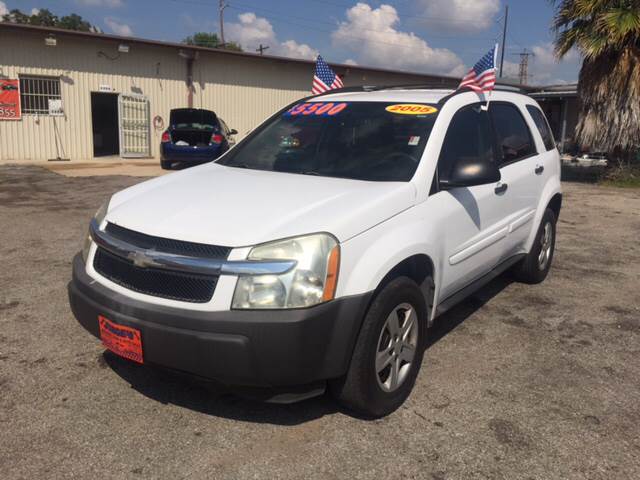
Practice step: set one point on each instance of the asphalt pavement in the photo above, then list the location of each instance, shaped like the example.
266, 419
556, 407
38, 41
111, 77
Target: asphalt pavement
519, 382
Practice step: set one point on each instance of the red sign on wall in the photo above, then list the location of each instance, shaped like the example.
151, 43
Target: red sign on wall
9, 99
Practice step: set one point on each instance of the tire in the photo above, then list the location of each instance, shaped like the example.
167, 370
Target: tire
535, 267
363, 389
165, 165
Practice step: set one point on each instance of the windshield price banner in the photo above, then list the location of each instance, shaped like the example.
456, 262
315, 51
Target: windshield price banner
317, 109
10, 100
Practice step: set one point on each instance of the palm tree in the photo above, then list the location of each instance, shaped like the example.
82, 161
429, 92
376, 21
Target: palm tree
607, 34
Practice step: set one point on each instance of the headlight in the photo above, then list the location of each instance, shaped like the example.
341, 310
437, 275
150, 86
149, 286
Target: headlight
312, 281
99, 217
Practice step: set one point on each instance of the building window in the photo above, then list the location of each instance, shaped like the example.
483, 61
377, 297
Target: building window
40, 95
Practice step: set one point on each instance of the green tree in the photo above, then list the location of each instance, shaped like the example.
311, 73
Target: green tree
16, 16
44, 18
211, 40
607, 34
75, 22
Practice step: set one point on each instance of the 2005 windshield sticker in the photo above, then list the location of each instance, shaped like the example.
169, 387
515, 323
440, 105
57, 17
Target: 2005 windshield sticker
411, 109
316, 109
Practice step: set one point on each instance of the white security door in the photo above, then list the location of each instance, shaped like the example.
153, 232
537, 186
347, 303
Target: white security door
135, 137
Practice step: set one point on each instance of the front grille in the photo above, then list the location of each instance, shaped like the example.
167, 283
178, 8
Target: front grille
154, 281
167, 244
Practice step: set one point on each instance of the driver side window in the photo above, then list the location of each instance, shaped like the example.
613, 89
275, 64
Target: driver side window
468, 138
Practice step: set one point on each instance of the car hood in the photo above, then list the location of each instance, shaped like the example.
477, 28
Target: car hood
238, 207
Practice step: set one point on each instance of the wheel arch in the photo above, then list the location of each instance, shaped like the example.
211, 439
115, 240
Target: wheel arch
419, 268
551, 198
555, 204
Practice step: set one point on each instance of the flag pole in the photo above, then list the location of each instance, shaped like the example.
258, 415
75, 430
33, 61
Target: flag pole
495, 59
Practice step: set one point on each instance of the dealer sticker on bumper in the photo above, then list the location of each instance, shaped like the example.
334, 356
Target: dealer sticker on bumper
121, 340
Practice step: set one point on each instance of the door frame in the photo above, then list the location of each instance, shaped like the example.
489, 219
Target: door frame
145, 99
93, 146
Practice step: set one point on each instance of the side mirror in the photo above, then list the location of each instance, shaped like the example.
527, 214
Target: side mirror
233, 131
468, 172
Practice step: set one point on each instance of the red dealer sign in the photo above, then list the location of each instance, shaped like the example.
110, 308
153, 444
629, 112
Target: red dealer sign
9, 100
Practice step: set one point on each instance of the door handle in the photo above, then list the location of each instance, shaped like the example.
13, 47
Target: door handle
501, 188
539, 169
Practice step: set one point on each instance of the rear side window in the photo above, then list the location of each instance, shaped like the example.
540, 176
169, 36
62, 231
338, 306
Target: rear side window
468, 138
543, 127
514, 139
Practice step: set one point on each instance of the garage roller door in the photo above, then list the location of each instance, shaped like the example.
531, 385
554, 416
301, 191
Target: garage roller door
134, 126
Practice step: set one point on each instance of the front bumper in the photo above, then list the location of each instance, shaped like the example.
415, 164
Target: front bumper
264, 348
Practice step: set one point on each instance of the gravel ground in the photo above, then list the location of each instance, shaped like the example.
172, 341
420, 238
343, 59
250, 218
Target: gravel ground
533, 382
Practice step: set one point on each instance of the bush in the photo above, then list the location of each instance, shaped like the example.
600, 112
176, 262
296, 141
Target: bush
624, 175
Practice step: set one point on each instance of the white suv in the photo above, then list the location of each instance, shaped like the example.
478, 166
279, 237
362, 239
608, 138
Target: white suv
320, 249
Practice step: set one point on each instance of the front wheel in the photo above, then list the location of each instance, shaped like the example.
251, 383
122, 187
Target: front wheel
535, 267
388, 353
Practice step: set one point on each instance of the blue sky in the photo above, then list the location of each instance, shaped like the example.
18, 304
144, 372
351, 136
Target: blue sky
434, 36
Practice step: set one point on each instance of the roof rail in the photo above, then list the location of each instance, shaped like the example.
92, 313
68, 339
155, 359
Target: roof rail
359, 88
419, 86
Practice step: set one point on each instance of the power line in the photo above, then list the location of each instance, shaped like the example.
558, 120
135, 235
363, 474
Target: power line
288, 16
288, 22
406, 15
221, 7
524, 66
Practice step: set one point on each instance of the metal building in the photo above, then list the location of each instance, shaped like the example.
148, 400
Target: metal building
87, 95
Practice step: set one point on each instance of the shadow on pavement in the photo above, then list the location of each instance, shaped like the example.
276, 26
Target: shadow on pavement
208, 397
449, 320
168, 387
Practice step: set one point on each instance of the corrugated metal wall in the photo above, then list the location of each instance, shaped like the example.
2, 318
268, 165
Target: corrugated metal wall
242, 90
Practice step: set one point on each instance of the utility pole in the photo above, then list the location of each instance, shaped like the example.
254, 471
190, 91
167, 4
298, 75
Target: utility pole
504, 38
221, 6
524, 66
262, 48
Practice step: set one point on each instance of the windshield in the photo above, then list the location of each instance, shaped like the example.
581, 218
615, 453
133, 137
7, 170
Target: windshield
360, 140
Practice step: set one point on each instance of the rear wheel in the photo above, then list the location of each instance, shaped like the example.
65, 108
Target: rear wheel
388, 353
535, 267
165, 165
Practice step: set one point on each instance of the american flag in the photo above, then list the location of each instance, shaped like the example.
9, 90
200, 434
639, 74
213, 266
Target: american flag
324, 78
482, 77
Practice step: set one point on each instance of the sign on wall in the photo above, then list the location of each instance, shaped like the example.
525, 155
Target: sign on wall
9, 99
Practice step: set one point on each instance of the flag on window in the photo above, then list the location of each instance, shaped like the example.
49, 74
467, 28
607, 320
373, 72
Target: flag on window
324, 78
482, 77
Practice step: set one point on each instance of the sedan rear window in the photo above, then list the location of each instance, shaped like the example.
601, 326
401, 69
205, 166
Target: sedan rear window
372, 141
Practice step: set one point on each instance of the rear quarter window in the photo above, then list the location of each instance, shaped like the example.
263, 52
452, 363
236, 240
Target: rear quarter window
514, 140
543, 127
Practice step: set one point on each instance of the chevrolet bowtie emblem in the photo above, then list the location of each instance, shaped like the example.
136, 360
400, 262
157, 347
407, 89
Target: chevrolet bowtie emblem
142, 260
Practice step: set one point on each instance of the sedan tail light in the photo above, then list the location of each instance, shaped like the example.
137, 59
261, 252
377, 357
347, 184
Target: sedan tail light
166, 137
216, 138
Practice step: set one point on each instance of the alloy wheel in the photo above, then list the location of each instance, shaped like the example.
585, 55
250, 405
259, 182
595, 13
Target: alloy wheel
546, 244
397, 346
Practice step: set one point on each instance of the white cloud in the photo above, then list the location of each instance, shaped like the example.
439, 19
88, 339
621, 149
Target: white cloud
101, 3
3, 9
372, 35
251, 31
291, 48
461, 15
118, 27
350, 61
544, 68
35, 11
